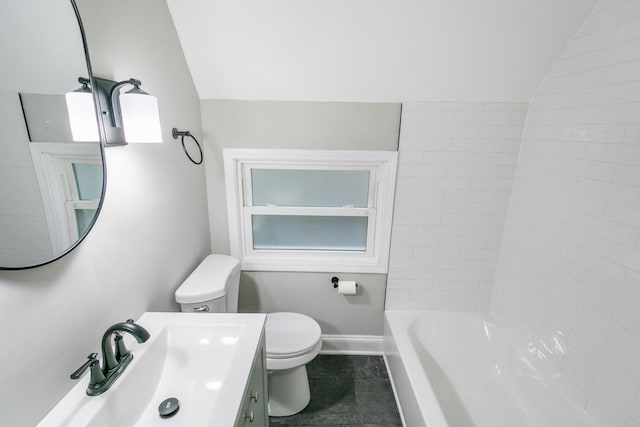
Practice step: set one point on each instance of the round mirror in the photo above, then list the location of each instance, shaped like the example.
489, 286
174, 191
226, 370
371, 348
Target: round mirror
51, 174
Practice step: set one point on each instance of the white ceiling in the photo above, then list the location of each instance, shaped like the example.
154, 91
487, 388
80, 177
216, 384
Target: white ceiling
373, 50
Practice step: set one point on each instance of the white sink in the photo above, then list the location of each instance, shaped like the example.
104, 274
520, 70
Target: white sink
203, 360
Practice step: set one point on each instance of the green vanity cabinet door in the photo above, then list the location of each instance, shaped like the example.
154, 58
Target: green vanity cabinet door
254, 410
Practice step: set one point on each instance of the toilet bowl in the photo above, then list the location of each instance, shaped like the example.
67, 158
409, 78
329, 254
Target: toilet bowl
291, 339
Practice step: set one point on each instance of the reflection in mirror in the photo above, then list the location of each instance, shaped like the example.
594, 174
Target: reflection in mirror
51, 186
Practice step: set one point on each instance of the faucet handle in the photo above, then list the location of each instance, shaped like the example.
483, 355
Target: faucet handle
82, 369
121, 350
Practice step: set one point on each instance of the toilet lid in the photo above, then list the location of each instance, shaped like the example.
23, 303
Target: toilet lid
290, 334
209, 281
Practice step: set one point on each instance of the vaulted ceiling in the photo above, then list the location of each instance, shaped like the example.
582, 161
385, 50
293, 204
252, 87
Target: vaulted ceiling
373, 50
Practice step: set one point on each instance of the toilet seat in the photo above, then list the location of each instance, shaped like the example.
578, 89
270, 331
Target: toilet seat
292, 339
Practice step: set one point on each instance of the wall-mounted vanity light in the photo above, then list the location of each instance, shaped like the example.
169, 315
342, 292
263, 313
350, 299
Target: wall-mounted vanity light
126, 117
82, 113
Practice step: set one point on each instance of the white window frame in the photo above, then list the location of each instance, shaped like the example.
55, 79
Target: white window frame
382, 166
53, 162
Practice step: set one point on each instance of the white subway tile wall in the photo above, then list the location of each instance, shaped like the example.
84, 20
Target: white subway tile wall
21, 236
455, 173
568, 280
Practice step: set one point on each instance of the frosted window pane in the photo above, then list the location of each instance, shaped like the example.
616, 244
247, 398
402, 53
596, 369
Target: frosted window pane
88, 180
310, 233
83, 219
310, 188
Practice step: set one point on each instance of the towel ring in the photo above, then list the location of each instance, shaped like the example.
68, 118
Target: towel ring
179, 133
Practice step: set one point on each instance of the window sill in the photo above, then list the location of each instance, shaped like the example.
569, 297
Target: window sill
316, 263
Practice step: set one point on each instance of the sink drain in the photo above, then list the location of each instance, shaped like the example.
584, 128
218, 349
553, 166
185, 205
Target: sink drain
169, 407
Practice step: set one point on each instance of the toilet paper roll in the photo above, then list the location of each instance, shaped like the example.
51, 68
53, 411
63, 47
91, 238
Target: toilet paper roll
347, 287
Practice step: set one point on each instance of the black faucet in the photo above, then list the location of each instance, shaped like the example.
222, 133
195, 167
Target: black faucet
113, 362
110, 362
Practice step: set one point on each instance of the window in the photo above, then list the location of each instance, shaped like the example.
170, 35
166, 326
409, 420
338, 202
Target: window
310, 210
70, 176
82, 184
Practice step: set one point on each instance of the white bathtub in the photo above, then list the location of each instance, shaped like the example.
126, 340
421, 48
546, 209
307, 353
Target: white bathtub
458, 370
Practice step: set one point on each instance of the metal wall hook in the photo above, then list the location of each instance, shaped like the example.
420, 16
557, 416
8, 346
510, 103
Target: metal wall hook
177, 133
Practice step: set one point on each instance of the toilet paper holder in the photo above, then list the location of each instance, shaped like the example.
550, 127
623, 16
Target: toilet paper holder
335, 281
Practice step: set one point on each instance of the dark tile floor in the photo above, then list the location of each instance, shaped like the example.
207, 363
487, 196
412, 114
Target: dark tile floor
346, 391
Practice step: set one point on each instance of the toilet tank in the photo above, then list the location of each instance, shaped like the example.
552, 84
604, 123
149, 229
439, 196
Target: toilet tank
212, 286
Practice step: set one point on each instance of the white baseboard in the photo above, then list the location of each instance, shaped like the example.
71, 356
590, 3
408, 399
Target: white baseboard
352, 344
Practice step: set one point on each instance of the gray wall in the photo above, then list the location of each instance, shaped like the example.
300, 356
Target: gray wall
314, 295
298, 125
150, 235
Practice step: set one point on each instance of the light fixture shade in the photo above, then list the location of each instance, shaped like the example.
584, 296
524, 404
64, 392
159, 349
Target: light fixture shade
140, 117
82, 116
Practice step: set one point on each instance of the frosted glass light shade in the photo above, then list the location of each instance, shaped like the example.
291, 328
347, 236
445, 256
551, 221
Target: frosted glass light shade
82, 116
140, 118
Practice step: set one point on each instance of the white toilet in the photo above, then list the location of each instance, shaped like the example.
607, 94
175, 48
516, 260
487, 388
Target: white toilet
292, 339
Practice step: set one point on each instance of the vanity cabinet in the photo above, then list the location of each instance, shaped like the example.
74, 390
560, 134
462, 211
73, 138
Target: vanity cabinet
254, 410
